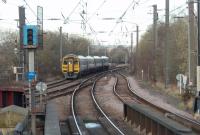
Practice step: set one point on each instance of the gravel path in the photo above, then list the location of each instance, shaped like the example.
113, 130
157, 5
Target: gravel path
157, 99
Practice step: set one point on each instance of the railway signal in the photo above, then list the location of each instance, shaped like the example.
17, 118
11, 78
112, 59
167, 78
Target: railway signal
30, 39
30, 36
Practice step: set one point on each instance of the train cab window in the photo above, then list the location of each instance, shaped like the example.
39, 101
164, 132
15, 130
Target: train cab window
65, 62
75, 62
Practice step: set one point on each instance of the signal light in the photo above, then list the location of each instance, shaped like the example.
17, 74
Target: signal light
30, 36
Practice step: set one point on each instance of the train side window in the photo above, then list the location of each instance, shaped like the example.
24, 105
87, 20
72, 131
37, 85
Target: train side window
81, 62
85, 62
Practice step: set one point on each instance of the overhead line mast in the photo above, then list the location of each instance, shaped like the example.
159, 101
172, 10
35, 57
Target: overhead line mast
191, 44
197, 98
167, 44
155, 18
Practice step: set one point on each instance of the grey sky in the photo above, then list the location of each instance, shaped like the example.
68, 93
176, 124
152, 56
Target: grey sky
101, 29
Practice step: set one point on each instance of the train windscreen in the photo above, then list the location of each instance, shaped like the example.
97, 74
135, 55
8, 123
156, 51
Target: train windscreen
67, 61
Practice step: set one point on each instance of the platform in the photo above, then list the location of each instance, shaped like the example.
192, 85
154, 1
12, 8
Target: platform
52, 125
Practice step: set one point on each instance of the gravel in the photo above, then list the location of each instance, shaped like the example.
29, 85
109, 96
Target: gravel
157, 98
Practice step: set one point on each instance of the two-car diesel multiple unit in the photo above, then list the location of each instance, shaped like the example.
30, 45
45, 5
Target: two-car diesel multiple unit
74, 66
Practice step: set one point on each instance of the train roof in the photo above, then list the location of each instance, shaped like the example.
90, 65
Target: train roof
74, 56
89, 57
81, 57
96, 57
70, 55
104, 57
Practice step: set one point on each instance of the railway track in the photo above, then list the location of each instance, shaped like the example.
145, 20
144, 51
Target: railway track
73, 102
58, 83
100, 109
184, 120
62, 90
122, 91
61, 87
105, 120
58, 90
127, 95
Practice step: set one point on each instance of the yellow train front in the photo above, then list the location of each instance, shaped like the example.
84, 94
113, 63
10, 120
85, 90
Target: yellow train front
74, 66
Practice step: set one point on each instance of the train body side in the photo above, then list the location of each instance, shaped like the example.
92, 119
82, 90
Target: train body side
74, 66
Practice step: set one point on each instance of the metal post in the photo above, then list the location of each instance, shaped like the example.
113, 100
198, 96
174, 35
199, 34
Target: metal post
17, 77
167, 44
198, 66
180, 78
31, 68
142, 75
61, 45
137, 43
131, 56
88, 50
41, 92
191, 43
155, 18
22, 52
197, 98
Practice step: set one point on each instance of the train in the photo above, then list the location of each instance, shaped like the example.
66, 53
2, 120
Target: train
74, 66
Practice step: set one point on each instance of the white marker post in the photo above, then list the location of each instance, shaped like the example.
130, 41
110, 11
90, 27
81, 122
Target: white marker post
142, 74
180, 79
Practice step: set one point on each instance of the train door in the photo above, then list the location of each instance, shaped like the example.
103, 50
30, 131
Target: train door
70, 65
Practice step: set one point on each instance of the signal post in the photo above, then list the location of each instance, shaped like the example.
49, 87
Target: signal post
31, 38
30, 42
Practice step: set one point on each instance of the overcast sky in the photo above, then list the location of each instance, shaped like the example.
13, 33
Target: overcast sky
98, 28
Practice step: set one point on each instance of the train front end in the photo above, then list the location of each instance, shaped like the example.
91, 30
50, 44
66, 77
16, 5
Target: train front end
70, 66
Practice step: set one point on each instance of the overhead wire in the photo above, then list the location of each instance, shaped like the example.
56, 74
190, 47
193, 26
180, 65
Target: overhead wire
96, 11
124, 13
73, 10
30, 8
92, 30
145, 2
170, 12
26, 3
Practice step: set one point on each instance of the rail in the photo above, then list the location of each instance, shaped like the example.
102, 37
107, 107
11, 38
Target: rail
81, 85
179, 118
100, 109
